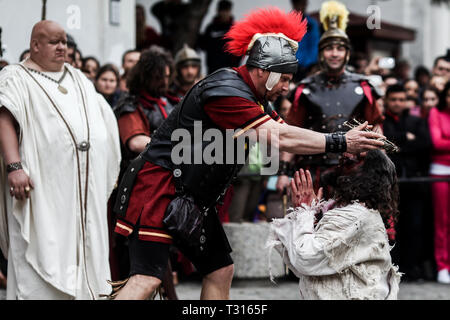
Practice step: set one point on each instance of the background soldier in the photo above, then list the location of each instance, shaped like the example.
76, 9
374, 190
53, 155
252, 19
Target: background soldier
325, 101
140, 112
187, 71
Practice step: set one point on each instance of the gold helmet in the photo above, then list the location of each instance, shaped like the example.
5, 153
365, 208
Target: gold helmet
334, 18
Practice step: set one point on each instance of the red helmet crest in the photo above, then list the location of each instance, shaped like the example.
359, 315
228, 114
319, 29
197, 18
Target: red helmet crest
266, 20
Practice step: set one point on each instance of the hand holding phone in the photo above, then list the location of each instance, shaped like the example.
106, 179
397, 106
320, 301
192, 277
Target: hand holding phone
386, 63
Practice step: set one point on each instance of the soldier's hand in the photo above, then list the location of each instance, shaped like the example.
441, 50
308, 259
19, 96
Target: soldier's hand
359, 140
282, 183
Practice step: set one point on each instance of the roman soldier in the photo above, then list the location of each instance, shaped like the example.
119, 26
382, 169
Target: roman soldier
325, 101
157, 186
140, 112
147, 104
187, 71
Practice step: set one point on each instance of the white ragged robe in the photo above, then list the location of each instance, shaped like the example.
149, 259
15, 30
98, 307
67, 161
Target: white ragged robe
57, 240
346, 256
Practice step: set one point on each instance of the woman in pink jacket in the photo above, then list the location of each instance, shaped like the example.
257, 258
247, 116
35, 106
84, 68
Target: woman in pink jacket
439, 123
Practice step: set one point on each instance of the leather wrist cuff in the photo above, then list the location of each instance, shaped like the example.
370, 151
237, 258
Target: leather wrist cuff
14, 167
336, 142
284, 168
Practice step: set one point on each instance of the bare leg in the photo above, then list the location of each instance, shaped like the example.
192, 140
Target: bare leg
217, 284
168, 285
138, 287
2, 281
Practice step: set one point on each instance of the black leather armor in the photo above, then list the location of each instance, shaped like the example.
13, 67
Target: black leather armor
128, 104
206, 182
328, 105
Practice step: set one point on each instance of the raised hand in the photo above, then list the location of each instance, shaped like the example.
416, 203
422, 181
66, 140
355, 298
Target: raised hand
302, 191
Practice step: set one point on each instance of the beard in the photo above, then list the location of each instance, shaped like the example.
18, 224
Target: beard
184, 81
159, 92
272, 96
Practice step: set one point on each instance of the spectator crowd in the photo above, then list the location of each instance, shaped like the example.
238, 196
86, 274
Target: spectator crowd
415, 105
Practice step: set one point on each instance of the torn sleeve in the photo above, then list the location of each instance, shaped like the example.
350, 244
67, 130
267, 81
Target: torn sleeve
315, 251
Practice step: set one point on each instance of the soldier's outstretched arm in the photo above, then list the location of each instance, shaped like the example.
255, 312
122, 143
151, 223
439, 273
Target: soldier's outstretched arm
302, 141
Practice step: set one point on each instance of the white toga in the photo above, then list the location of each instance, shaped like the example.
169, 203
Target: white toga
57, 241
345, 256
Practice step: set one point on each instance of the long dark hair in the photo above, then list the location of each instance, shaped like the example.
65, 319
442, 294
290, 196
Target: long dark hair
372, 181
148, 74
442, 105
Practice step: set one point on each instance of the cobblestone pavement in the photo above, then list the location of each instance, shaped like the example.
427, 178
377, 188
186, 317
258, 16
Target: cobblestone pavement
288, 290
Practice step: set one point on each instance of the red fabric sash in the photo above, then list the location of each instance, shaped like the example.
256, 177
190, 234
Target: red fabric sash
393, 116
149, 102
367, 91
298, 93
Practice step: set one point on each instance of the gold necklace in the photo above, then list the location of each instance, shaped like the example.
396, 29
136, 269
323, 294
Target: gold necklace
62, 89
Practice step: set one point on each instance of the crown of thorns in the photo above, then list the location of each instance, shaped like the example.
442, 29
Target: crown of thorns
389, 146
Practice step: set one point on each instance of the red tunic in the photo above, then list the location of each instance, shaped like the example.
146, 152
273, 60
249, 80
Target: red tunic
133, 124
154, 188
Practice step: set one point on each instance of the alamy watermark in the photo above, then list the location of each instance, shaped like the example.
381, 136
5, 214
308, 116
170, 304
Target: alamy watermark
74, 17
374, 17
214, 146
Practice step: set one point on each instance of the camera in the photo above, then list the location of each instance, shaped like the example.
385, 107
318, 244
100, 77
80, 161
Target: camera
386, 63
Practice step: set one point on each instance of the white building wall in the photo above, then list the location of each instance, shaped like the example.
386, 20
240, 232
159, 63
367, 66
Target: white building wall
438, 34
96, 36
93, 34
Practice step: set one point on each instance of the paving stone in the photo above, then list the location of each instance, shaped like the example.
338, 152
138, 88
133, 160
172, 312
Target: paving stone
251, 260
288, 290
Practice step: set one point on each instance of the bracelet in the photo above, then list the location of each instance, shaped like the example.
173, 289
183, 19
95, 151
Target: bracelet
336, 142
284, 168
14, 167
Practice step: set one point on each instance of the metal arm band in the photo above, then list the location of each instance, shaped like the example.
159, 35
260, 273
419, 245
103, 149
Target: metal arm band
13, 167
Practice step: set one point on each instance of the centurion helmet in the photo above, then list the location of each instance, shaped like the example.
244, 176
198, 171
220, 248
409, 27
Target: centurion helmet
270, 38
187, 54
334, 19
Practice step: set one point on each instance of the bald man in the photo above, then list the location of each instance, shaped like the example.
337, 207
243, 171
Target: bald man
60, 160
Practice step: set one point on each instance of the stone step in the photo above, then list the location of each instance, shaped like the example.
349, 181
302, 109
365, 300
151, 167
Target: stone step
251, 260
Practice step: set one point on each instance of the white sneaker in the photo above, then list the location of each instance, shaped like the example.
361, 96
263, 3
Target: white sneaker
443, 276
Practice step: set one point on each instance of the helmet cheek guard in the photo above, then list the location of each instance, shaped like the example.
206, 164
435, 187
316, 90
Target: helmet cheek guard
272, 80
